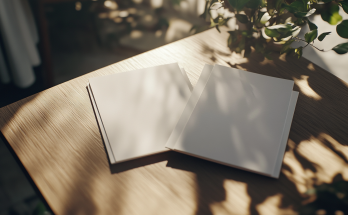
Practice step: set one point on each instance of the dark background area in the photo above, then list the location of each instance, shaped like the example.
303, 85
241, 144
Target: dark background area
83, 36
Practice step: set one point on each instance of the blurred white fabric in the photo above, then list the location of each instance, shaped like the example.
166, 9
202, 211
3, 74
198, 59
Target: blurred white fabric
19, 34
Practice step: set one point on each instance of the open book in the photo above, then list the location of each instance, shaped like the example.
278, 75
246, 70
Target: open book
237, 118
137, 110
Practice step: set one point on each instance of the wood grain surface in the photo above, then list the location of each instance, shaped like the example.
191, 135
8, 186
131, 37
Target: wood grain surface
56, 137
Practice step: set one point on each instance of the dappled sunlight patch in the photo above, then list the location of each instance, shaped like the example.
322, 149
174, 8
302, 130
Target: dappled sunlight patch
238, 59
271, 205
266, 61
326, 156
305, 88
327, 162
282, 57
236, 202
311, 67
296, 174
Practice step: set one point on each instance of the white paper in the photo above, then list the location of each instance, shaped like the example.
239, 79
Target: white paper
139, 109
238, 120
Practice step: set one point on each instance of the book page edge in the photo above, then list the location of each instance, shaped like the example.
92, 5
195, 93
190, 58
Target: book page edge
285, 136
101, 126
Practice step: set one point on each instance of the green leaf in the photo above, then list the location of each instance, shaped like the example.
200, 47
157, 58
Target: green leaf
342, 29
289, 8
216, 5
253, 4
259, 47
272, 32
310, 36
341, 48
281, 31
330, 14
212, 23
238, 4
265, 17
312, 26
274, 5
242, 18
40, 209
323, 35
229, 40
299, 9
344, 5
325, 1
278, 4
299, 22
295, 31
298, 51
270, 7
260, 15
305, 14
217, 28
246, 33
247, 51
280, 26
267, 54
286, 46
222, 21
299, 6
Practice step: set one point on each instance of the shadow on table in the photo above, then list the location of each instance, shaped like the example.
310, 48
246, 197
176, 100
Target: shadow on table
210, 179
320, 115
140, 162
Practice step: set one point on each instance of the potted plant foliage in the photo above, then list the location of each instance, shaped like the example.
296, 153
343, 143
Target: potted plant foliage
265, 23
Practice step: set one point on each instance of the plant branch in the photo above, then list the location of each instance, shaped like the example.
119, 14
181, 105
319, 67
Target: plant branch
322, 50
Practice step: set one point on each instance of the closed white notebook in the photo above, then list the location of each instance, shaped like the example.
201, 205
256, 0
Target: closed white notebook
237, 118
137, 110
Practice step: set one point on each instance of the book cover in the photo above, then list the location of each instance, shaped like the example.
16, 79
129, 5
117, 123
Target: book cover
137, 110
237, 118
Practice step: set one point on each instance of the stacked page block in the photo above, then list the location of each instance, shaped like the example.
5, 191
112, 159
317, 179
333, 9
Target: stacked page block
232, 117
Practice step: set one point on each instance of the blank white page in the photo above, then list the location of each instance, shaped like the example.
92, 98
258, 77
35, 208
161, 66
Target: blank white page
139, 109
238, 120
196, 93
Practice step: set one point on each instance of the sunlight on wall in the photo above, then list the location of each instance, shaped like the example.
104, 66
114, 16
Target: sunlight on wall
236, 202
305, 88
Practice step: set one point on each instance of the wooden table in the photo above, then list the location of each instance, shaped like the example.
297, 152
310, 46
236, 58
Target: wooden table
55, 135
